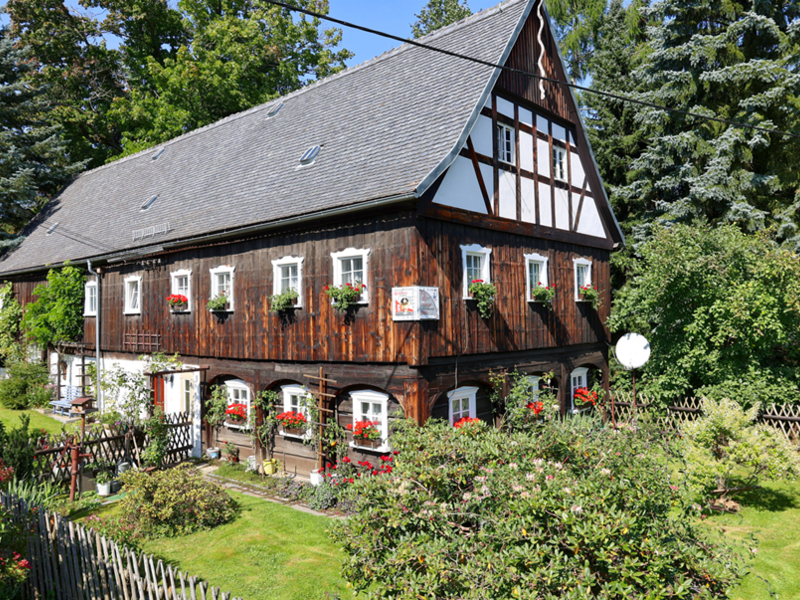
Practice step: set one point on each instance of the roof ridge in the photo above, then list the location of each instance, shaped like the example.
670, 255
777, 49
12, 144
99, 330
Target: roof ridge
443, 31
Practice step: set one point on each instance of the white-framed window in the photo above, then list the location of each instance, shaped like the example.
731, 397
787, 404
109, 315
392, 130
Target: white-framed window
294, 400
583, 274
369, 405
222, 281
287, 274
89, 299
181, 284
133, 295
505, 143
352, 266
533, 381
187, 396
461, 402
238, 393
536, 272
559, 163
475, 260
578, 379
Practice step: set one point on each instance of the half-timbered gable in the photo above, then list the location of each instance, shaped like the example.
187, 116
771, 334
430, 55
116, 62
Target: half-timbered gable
412, 173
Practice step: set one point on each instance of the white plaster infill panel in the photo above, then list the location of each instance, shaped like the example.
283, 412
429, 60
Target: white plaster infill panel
590, 222
562, 209
460, 188
528, 200
545, 208
508, 195
526, 151
482, 136
504, 107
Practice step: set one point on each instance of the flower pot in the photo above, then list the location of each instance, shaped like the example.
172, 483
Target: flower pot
212, 453
235, 423
104, 489
232, 459
298, 431
115, 486
270, 466
179, 307
316, 477
367, 443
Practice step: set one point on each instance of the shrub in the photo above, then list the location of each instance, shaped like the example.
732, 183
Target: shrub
57, 313
17, 446
13, 566
173, 502
572, 510
156, 428
25, 386
727, 452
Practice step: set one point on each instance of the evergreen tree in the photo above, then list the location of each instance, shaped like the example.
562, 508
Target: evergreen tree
34, 162
439, 13
577, 26
735, 61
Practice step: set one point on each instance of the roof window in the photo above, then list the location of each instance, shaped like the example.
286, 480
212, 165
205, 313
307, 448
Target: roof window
274, 109
149, 202
310, 155
158, 153
52, 229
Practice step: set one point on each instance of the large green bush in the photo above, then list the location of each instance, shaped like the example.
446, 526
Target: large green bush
17, 446
25, 386
57, 313
572, 510
173, 502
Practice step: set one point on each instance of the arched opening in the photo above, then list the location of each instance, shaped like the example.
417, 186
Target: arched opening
582, 377
470, 399
364, 403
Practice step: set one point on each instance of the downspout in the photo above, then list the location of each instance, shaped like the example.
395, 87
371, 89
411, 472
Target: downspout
98, 389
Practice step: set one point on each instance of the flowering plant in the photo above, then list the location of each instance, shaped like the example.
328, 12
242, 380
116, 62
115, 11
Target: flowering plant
536, 407
292, 420
237, 412
177, 301
283, 301
218, 302
365, 430
344, 295
230, 452
544, 293
590, 294
483, 293
585, 397
465, 421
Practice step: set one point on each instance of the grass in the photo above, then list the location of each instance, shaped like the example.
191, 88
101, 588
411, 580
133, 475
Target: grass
10, 418
269, 552
771, 516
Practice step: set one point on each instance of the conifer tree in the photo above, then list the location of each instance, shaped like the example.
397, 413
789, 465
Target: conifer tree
34, 162
439, 13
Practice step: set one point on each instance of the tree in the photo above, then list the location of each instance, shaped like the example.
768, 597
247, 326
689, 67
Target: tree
439, 13
34, 161
57, 313
577, 26
735, 61
721, 309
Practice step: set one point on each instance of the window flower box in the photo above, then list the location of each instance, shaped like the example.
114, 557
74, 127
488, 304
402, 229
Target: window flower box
219, 303
544, 294
284, 301
236, 415
293, 423
178, 302
366, 434
483, 294
344, 296
590, 294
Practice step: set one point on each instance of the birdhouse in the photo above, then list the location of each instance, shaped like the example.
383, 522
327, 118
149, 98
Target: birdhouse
83, 406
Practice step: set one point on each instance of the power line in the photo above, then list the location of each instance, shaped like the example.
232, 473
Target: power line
486, 63
76, 237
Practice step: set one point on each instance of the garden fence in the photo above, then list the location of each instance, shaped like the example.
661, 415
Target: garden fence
784, 417
52, 460
71, 562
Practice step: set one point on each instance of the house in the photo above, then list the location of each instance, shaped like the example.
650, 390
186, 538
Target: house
415, 173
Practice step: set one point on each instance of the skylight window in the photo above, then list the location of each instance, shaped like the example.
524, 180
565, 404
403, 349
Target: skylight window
52, 229
310, 155
158, 153
274, 110
149, 203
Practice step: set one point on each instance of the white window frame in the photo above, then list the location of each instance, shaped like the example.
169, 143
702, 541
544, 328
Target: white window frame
287, 391
87, 310
240, 385
582, 373
534, 380
583, 262
506, 155
358, 396
128, 310
469, 393
288, 261
214, 292
486, 271
188, 407
543, 275
173, 278
559, 163
363, 254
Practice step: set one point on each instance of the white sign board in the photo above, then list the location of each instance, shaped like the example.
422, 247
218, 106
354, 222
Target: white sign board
415, 303
633, 351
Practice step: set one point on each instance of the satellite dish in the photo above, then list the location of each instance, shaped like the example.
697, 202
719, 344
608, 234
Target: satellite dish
633, 351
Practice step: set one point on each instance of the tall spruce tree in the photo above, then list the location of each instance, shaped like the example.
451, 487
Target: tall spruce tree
34, 161
577, 29
736, 61
439, 13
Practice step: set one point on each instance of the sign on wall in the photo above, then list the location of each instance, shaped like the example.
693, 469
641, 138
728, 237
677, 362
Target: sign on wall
415, 303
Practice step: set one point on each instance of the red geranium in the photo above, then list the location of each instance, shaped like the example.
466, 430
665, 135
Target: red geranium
585, 397
536, 407
465, 421
292, 420
365, 430
237, 412
177, 300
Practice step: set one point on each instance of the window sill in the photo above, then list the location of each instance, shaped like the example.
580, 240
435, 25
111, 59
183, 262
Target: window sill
239, 427
89, 314
221, 310
535, 301
380, 449
295, 436
129, 313
185, 310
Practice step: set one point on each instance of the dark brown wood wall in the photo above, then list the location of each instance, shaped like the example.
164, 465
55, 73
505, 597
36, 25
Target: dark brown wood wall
516, 324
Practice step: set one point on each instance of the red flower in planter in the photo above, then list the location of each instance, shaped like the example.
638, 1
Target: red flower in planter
237, 412
365, 430
177, 300
585, 397
536, 407
292, 420
465, 421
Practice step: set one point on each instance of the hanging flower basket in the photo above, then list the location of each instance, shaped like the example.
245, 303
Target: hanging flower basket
483, 293
178, 302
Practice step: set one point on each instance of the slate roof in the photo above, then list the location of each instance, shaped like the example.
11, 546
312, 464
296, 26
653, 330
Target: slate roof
386, 126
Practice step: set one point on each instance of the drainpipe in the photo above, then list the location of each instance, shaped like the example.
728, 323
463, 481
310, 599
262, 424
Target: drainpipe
97, 334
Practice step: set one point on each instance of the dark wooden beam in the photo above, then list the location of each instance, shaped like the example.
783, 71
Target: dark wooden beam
477, 167
580, 205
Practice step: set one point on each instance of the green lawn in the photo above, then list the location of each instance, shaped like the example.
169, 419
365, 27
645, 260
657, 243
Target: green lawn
772, 516
269, 552
10, 418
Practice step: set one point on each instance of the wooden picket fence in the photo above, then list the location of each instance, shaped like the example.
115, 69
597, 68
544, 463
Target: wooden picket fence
785, 417
52, 463
71, 562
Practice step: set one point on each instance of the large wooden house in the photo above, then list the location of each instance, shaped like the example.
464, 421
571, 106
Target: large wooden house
414, 173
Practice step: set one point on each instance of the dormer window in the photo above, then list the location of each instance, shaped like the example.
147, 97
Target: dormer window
505, 144
559, 164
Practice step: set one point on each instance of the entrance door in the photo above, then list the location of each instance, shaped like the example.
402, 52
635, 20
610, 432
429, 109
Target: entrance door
158, 391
